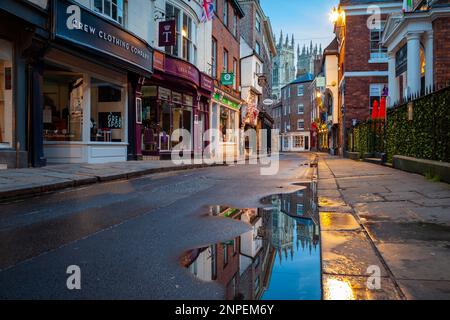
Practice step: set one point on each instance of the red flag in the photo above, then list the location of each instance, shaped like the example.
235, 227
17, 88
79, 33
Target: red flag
375, 109
382, 112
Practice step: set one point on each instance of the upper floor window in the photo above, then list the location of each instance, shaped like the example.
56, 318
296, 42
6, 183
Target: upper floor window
186, 29
300, 109
235, 23
225, 60
257, 48
377, 51
300, 90
225, 12
112, 9
214, 58
258, 22
235, 74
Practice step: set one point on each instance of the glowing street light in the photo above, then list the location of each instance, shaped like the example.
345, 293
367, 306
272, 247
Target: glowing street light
334, 15
337, 16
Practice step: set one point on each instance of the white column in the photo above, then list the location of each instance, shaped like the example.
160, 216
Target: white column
393, 84
413, 74
429, 59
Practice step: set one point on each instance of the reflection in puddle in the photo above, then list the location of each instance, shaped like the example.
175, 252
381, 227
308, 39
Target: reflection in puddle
279, 258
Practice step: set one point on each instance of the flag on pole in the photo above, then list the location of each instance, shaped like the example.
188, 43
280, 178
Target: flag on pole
208, 11
407, 5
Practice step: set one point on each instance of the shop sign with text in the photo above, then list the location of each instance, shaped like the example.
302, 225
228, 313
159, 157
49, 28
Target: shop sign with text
84, 28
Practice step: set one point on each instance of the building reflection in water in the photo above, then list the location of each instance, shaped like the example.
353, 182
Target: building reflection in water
279, 258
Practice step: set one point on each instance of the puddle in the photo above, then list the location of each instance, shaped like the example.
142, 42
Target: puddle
279, 258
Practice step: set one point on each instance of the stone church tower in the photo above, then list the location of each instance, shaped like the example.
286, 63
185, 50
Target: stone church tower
283, 65
308, 59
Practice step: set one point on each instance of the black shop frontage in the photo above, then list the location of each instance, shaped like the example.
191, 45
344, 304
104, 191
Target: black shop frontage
86, 86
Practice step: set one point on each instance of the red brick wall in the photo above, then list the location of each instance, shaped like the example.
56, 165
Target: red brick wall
293, 101
225, 39
357, 97
357, 46
441, 28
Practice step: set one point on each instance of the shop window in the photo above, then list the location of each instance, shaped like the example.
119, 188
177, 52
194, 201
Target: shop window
6, 95
63, 105
107, 120
112, 9
228, 124
186, 30
298, 142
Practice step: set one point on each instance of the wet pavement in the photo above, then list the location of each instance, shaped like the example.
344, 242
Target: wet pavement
127, 237
377, 216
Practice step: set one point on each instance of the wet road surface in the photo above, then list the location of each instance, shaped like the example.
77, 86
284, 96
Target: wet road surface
127, 237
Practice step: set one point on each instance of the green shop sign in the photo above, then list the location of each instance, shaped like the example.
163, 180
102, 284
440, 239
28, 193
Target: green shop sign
226, 102
227, 79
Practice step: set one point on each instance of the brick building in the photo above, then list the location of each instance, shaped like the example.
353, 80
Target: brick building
294, 116
363, 61
226, 100
418, 45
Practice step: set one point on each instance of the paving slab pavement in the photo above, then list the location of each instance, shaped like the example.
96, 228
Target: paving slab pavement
19, 183
379, 216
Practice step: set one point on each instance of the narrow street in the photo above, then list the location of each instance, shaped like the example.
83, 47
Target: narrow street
128, 237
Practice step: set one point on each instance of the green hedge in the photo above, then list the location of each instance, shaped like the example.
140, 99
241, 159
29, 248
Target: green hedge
369, 137
427, 136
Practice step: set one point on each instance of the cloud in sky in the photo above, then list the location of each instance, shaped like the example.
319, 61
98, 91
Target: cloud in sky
306, 19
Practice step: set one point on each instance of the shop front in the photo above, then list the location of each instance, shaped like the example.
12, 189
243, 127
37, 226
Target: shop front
23, 28
250, 121
225, 117
296, 141
174, 100
91, 77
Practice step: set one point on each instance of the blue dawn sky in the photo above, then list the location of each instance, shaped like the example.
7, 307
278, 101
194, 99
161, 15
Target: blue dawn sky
306, 19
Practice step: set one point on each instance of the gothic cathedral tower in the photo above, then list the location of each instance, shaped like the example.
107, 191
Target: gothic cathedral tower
283, 65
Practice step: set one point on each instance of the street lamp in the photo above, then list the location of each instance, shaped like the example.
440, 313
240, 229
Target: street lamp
337, 16
334, 15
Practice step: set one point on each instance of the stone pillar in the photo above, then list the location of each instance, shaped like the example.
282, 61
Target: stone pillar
394, 95
413, 74
429, 60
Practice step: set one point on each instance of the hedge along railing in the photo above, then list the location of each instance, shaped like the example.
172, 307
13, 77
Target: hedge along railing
420, 128
368, 137
423, 133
